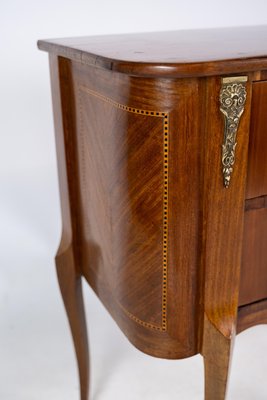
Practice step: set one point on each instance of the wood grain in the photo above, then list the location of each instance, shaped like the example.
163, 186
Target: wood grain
253, 284
217, 361
256, 203
67, 258
251, 315
183, 53
128, 163
257, 166
223, 213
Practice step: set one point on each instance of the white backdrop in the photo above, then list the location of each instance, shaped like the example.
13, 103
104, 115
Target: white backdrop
36, 355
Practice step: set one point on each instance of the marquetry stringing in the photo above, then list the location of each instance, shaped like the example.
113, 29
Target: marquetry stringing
165, 119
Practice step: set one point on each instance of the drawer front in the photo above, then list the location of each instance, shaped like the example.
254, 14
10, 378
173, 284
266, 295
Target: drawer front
257, 153
253, 284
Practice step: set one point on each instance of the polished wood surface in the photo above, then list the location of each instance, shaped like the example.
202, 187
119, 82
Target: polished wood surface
129, 176
67, 258
176, 258
253, 282
181, 53
257, 165
251, 315
217, 352
256, 203
222, 227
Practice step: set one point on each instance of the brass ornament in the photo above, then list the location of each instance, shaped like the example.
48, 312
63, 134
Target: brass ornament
232, 102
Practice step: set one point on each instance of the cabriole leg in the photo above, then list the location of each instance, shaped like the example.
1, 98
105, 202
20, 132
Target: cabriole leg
71, 290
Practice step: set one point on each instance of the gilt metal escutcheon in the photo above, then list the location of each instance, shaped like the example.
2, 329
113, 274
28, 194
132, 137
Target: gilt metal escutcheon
232, 102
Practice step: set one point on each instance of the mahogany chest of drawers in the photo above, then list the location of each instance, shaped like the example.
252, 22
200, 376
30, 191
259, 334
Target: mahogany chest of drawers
162, 155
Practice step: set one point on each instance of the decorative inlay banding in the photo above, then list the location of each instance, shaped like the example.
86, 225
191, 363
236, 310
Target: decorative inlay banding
165, 119
165, 220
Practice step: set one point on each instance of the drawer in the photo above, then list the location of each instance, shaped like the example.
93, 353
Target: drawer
253, 284
257, 153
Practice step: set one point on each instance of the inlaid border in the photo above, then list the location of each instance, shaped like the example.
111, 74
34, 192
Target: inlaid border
165, 118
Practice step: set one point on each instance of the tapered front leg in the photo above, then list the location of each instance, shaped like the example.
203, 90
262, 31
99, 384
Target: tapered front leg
222, 225
71, 290
217, 352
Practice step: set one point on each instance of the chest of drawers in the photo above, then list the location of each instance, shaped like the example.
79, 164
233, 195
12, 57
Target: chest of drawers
162, 147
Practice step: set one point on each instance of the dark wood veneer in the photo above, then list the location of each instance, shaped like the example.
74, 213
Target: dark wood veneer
256, 203
257, 168
147, 220
203, 52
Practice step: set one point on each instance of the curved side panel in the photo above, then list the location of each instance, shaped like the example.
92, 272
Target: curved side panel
124, 140
129, 188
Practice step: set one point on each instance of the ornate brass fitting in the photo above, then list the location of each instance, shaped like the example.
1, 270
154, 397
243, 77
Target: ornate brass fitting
232, 102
